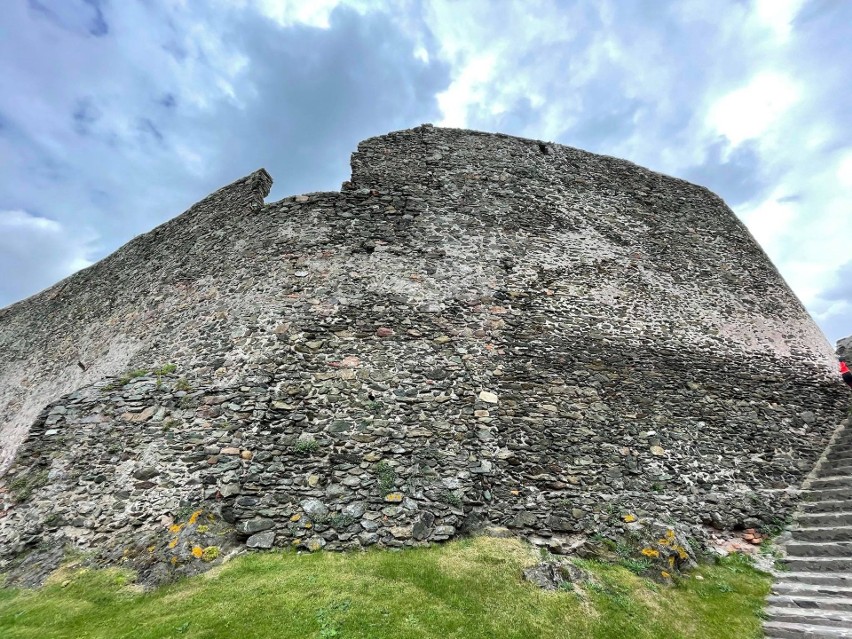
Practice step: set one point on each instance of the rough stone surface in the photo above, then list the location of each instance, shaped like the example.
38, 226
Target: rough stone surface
262, 540
491, 335
844, 349
553, 575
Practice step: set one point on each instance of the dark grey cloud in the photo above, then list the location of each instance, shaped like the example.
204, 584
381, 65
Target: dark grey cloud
85, 115
606, 123
841, 289
737, 174
310, 95
85, 16
36, 252
168, 100
148, 128
514, 120
790, 198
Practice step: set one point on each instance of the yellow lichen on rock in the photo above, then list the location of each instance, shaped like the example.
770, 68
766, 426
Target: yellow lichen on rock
210, 553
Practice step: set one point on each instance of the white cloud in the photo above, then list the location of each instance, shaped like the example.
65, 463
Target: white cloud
777, 15
750, 111
844, 173
495, 65
312, 14
769, 221
467, 88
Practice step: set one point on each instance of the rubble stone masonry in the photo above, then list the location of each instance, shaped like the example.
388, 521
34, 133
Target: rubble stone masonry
476, 330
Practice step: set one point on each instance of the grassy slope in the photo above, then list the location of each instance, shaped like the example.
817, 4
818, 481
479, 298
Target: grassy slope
470, 589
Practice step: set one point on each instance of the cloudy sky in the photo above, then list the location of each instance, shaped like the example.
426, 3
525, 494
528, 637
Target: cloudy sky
116, 115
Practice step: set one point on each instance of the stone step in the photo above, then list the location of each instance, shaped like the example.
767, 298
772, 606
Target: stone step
837, 579
798, 589
839, 457
841, 446
828, 506
811, 602
819, 549
819, 564
830, 468
826, 494
814, 599
815, 533
834, 461
824, 520
818, 617
782, 630
831, 482
826, 475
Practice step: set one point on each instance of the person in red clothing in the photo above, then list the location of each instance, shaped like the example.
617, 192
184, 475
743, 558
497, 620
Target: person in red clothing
845, 373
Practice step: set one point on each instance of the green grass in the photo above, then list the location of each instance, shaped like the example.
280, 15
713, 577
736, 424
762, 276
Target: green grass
469, 589
306, 446
386, 475
166, 369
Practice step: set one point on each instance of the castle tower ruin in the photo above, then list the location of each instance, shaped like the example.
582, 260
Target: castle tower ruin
476, 330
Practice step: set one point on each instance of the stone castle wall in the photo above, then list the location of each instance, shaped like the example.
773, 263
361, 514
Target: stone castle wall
477, 330
844, 349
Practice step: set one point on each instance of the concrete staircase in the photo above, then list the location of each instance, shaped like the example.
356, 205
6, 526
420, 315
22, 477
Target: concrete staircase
814, 599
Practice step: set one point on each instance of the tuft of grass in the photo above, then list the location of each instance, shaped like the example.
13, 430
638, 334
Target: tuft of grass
330, 618
468, 589
637, 566
166, 369
452, 498
306, 446
386, 476
125, 379
775, 527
